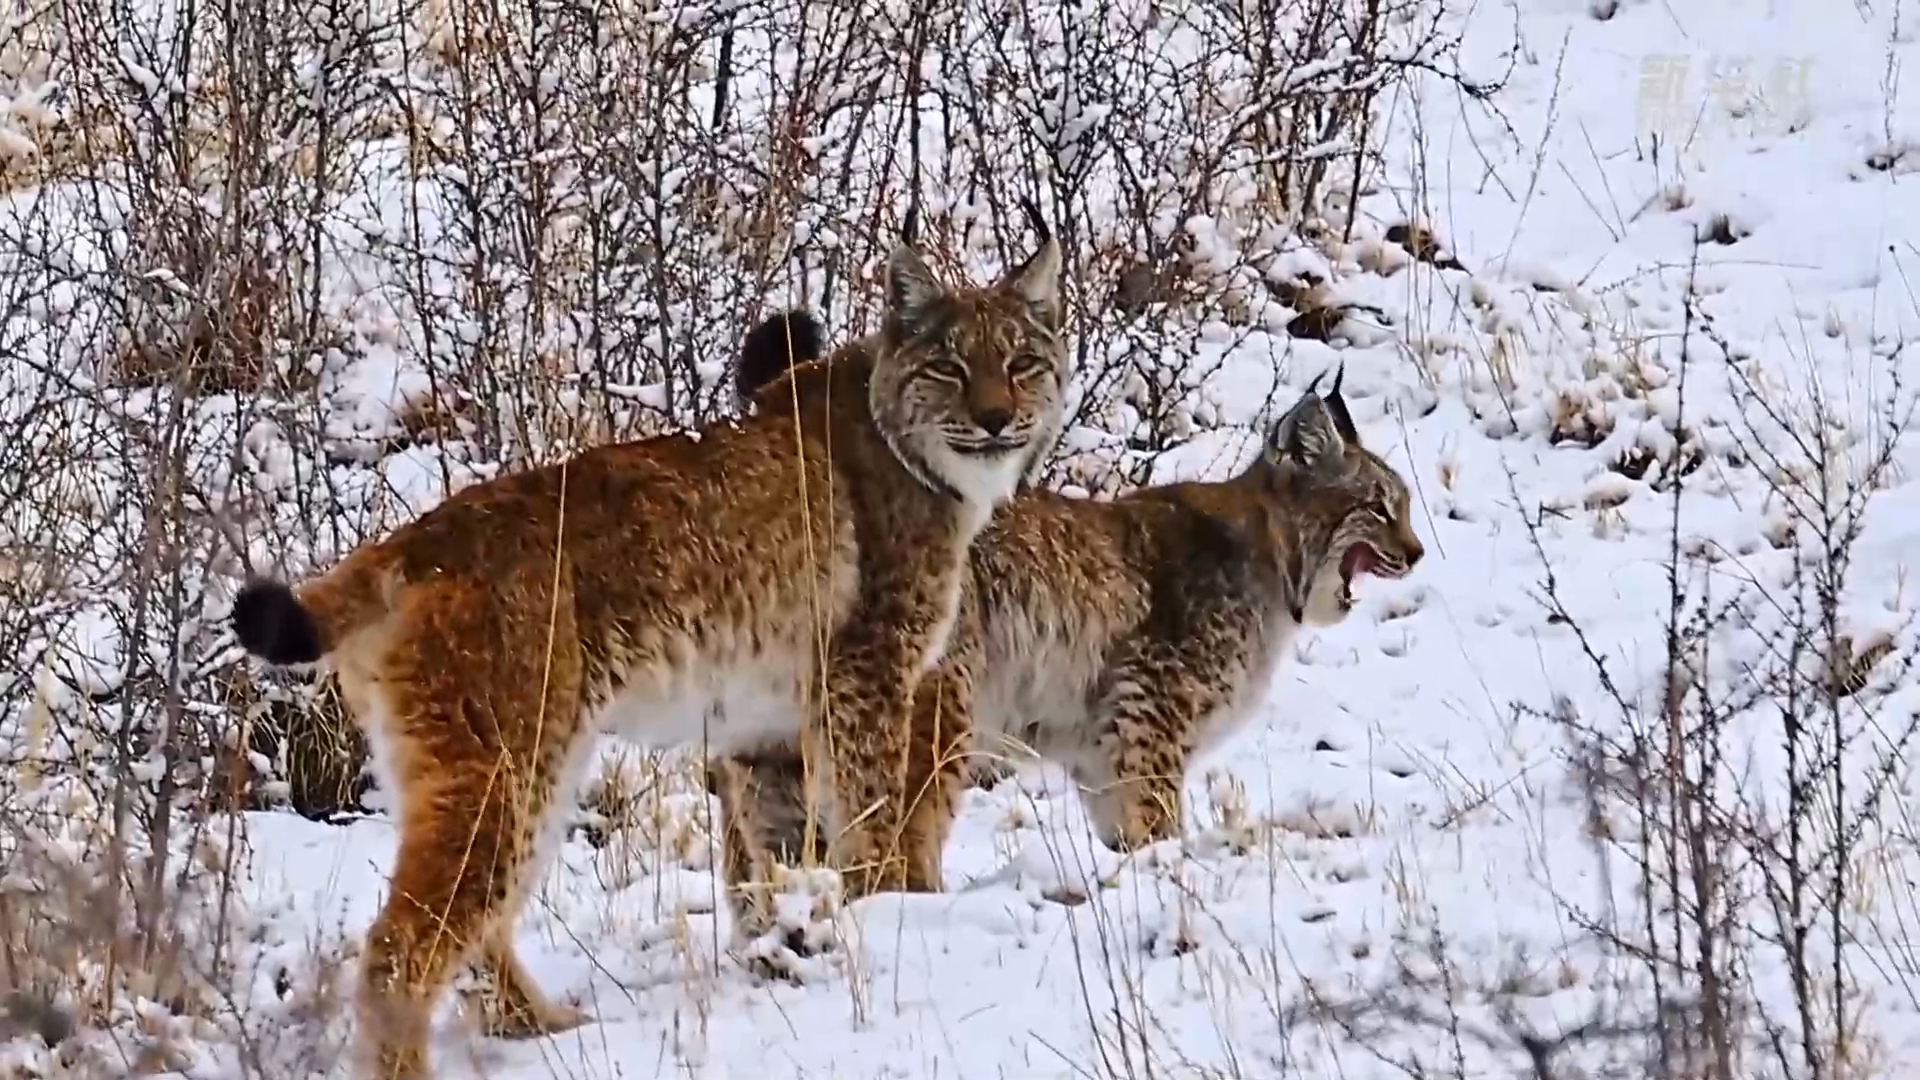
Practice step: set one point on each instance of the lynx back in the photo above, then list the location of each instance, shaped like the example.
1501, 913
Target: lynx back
1122, 638
788, 579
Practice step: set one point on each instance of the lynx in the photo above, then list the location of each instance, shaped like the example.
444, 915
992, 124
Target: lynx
709, 588
1119, 639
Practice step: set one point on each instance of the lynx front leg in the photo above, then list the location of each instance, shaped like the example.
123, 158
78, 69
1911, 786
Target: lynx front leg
1132, 803
864, 735
874, 669
939, 768
1151, 709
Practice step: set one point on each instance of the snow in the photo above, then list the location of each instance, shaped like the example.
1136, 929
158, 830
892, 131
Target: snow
1407, 824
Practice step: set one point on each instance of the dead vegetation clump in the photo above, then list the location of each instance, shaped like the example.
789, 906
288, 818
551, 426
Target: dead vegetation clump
276, 275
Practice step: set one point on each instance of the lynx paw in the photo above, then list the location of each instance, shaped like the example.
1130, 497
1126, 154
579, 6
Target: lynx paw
1127, 827
531, 1024
802, 934
789, 956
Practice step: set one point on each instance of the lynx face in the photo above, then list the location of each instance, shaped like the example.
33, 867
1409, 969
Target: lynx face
1349, 495
1373, 537
972, 387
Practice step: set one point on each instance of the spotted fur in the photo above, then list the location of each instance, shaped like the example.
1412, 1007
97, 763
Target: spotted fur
674, 590
1121, 638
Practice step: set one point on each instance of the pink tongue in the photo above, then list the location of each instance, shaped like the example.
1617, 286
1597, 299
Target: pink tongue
1358, 560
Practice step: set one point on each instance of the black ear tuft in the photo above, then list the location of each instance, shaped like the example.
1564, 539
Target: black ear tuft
1035, 219
271, 624
771, 348
1337, 408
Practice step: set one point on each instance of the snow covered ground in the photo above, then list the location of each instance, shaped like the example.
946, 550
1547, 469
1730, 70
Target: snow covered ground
1398, 870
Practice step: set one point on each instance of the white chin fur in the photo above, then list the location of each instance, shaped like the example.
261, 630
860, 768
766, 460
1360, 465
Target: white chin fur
1326, 604
984, 481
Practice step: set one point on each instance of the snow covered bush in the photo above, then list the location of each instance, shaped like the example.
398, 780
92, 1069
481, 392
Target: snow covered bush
315, 264
276, 276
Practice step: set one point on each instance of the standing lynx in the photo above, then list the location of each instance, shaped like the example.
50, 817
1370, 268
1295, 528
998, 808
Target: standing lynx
1121, 638
672, 590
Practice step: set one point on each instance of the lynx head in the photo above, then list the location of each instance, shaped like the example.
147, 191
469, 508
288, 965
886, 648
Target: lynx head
969, 383
1349, 508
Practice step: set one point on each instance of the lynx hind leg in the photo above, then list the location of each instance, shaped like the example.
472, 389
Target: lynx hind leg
763, 827
511, 1004
478, 761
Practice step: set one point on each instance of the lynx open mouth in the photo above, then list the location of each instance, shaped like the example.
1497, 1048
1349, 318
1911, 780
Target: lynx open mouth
1361, 558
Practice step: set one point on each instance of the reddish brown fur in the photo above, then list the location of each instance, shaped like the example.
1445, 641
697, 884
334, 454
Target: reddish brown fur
1121, 638
483, 642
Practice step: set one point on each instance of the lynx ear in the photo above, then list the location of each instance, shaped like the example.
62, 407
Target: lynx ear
1308, 436
912, 290
1037, 281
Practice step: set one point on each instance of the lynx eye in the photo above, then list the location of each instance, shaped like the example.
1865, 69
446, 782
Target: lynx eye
1026, 365
952, 370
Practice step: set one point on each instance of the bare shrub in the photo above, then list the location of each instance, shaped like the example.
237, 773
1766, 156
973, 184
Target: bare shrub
1739, 793
276, 276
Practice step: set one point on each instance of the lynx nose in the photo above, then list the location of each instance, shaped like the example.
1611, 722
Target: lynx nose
994, 420
1414, 550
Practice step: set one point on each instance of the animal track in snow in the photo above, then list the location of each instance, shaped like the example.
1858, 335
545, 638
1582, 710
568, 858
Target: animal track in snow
1386, 759
1401, 605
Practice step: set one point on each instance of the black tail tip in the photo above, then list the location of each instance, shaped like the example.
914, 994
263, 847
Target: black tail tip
778, 343
271, 624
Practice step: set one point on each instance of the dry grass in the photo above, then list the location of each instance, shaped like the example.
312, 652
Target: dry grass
249, 229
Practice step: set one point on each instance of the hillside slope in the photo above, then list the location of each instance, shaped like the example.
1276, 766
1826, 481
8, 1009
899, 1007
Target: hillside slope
1613, 782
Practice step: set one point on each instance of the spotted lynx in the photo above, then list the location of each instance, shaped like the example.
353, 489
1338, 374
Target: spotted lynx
1121, 638
673, 590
